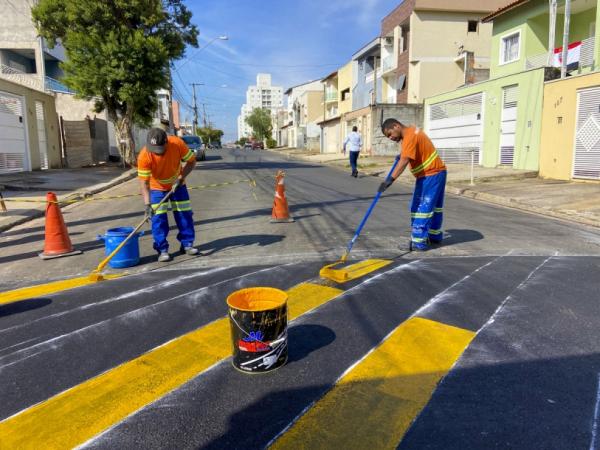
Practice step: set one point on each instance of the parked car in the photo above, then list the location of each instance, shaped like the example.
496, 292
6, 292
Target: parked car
258, 145
248, 145
195, 144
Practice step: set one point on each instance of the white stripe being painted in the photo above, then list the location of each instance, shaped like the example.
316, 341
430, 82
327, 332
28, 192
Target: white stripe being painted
594, 441
145, 290
493, 317
52, 344
437, 298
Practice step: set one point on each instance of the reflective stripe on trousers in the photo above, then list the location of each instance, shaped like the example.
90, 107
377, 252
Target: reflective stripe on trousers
427, 209
182, 212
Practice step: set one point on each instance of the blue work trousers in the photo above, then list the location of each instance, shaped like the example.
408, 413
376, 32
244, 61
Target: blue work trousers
182, 211
426, 210
353, 160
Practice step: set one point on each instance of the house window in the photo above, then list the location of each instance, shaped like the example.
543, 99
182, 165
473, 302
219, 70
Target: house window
345, 94
510, 48
472, 26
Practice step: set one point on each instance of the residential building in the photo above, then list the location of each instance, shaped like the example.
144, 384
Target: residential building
261, 95
421, 39
302, 113
508, 119
330, 125
26, 58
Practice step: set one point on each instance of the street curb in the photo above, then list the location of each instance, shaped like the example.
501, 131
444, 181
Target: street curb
95, 189
515, 204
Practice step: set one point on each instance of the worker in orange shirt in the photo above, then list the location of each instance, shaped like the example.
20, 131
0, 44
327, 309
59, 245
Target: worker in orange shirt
430, 171
159, 171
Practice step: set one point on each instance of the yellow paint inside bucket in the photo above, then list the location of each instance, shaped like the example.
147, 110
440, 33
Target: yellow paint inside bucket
257, 299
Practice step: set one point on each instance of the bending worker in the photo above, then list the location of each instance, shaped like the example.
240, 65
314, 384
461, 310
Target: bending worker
159, 171
430, 171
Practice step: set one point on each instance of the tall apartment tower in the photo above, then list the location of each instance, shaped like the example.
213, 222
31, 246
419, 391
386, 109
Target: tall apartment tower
262, 95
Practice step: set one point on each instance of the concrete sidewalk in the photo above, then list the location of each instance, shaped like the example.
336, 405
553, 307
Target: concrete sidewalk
569, 200
67, 184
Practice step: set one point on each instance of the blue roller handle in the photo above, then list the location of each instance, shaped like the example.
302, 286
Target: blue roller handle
369, 211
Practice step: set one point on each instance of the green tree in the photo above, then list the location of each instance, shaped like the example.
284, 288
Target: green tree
260, 122
242, 141
209, 134
118, 54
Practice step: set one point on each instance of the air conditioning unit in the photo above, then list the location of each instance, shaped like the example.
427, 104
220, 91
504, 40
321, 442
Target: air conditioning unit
389, 40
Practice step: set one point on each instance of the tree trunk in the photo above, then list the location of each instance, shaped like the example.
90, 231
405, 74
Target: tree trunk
125, 139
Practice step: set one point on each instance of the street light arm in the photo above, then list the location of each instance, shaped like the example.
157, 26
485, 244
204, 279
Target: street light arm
221, 38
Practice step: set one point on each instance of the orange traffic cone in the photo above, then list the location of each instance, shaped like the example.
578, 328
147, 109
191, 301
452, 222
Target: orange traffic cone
57, 242
281, 212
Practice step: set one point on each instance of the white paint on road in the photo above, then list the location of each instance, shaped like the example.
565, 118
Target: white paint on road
147, 289
58, 341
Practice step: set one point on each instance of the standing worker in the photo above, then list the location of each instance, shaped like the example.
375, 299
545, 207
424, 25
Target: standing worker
159, 171
354, 143
430, 171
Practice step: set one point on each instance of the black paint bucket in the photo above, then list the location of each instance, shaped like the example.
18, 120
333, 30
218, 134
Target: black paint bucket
258, 319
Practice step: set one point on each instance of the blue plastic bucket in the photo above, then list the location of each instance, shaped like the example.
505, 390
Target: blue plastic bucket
129, 255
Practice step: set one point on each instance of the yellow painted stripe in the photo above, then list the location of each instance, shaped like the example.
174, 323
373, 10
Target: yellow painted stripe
362, 268
373, 405
48, 288
75, 416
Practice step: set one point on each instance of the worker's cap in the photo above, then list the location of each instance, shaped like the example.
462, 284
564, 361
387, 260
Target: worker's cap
156, 141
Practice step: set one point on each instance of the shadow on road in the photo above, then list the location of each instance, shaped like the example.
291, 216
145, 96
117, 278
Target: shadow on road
305, 339
23, 306
454, 237
262, 240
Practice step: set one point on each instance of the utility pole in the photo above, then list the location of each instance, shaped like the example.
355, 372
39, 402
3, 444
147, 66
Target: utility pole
565, 49
551, 32
204, 115
195, 122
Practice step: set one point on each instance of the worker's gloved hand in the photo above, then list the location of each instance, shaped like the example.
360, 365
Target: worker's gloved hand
176, 184
386, 184
149, 211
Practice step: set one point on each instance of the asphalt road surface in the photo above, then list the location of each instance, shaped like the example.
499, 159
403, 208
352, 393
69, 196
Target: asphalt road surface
489, 341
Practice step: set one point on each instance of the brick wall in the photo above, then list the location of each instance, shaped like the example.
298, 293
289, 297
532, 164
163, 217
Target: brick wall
397, 16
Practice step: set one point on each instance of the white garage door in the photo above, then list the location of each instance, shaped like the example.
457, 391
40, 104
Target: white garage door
508, 124
13, 142
41, 129
455, 128
587, 135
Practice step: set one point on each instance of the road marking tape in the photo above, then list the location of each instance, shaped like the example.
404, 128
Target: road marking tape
82, 412
376, 400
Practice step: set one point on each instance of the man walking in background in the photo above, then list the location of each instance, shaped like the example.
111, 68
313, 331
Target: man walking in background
159, 171
430, 171
353, 143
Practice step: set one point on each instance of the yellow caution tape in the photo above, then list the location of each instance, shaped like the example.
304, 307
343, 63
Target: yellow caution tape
90, 197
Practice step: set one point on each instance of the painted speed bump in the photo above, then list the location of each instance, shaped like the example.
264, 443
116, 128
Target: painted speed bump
373, 404
78, 414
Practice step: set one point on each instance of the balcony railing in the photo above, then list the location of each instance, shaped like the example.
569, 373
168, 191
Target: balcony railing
30, 80
586, 57
371, 75
331, 96
388, 63
56, 86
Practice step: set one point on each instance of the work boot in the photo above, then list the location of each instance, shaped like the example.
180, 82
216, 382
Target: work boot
189, 250
164, 257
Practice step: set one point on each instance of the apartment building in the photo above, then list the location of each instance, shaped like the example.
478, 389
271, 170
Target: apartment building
261, 95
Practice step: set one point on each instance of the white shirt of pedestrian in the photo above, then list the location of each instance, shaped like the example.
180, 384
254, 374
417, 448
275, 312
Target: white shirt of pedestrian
353, 142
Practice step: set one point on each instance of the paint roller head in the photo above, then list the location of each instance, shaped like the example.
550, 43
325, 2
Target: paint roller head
95, 276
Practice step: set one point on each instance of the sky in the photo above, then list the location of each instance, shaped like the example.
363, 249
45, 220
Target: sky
294, 41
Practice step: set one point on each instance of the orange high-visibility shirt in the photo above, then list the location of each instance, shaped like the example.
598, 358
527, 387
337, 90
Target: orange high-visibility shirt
163, 170
424, 158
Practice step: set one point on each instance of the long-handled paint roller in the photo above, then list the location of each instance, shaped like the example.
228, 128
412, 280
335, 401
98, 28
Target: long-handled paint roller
341, 275
96, 274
